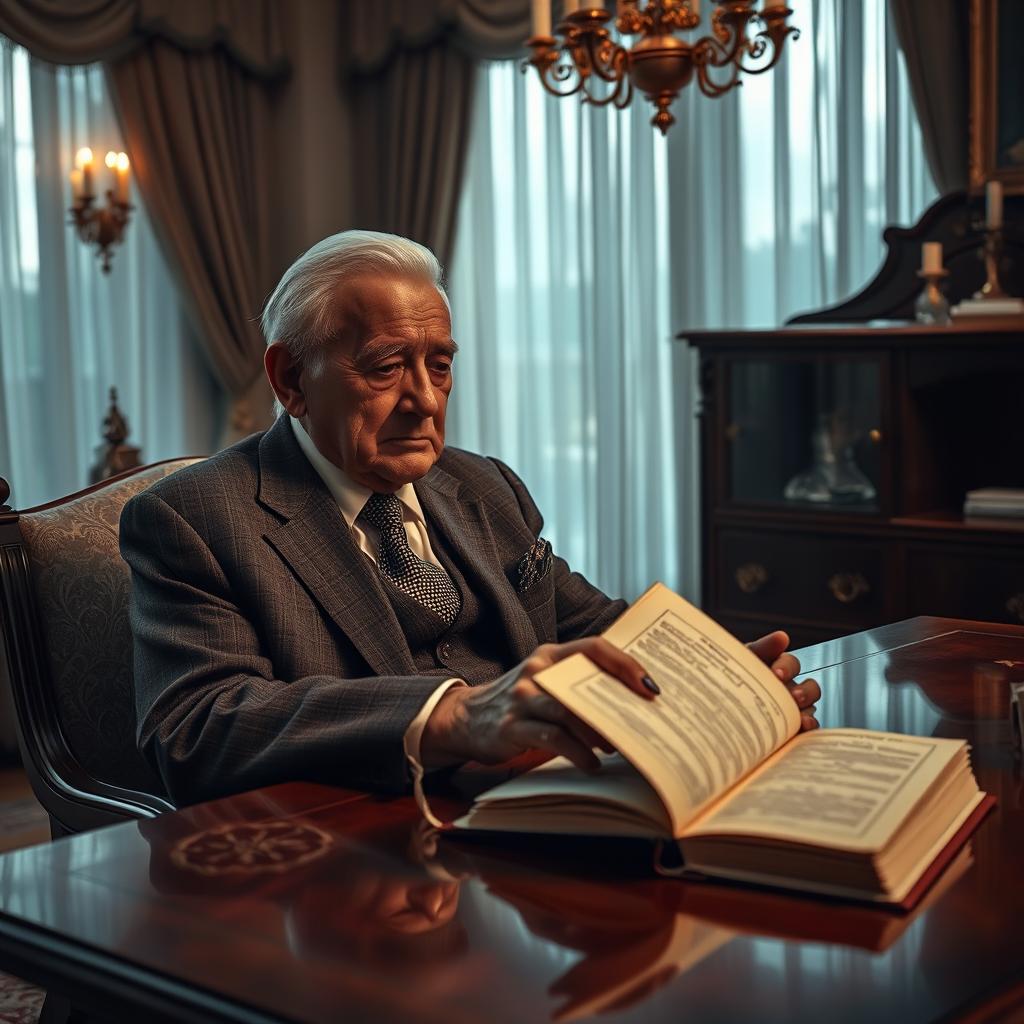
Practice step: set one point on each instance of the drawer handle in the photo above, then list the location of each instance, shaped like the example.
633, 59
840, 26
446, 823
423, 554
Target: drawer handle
846, 587
751, 577
1015, 606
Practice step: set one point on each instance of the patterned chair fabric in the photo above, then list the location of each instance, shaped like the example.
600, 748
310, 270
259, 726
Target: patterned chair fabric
81, 587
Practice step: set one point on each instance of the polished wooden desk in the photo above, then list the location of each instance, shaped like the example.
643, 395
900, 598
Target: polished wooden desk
307, 903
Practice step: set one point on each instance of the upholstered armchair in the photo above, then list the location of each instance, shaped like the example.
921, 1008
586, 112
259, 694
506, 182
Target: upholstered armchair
64, 611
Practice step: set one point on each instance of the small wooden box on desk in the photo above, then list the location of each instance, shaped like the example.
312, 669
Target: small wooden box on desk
911, 417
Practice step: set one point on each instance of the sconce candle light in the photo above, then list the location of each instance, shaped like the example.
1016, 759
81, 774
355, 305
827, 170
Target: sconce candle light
100, 225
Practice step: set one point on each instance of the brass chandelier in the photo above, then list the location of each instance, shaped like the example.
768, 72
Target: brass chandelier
585, 59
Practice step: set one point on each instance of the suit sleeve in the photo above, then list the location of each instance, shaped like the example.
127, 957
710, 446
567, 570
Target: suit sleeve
581, 609
213, 718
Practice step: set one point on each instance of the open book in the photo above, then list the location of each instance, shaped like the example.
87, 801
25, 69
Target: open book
717, 764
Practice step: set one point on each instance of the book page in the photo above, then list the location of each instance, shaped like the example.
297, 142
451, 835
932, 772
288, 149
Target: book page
721, 710
548, 798
850, 789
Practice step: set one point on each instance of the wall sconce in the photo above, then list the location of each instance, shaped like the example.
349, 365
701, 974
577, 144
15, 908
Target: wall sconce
100, 225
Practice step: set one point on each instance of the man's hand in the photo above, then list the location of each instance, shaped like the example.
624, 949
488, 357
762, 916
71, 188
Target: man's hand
771, 649
496, 721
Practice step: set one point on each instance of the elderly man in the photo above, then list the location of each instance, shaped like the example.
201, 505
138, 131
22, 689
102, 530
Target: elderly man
342, 598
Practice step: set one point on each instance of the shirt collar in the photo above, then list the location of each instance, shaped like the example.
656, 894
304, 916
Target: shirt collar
350, 496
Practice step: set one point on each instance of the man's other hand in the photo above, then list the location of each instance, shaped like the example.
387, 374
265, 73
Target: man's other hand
497, 721
771, 649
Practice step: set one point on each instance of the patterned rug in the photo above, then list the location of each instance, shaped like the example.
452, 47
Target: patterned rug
20, 1002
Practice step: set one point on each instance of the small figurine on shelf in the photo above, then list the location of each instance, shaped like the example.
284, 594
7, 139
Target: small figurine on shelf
931, 306
115, 456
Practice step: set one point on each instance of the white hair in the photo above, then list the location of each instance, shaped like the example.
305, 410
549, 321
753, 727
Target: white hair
299, 312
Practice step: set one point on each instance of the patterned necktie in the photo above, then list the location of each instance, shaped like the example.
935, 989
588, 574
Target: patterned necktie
396, 561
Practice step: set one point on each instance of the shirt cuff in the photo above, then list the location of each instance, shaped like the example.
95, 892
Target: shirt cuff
411, 742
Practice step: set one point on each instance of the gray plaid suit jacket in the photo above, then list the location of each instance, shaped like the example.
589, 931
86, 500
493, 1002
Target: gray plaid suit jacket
265, 647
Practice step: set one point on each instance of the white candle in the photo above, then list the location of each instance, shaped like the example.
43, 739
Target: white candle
769, 4
931, 257
571, 5
76, 184
542, 17
121, 192
83, 161
994, 204
695, 7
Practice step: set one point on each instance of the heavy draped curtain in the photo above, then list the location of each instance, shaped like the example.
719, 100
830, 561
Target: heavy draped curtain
411, 121
192, 83
935, 38
411, 66
198, 135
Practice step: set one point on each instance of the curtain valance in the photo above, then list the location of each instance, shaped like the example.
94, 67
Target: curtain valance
83, 31
374, 33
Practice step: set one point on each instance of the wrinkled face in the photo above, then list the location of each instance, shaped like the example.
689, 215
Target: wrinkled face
376, 408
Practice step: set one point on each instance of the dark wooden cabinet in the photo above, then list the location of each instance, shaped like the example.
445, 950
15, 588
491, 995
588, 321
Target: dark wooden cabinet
906, 418
911, 417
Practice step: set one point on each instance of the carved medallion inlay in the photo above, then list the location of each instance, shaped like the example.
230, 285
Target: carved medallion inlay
242, 848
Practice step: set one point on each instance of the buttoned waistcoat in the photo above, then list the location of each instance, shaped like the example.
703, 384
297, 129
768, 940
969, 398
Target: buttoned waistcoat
265, 645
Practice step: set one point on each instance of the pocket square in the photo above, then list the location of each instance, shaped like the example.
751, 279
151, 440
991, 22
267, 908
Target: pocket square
534, 565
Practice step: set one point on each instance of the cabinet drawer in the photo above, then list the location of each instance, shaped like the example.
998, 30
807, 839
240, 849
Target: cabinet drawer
817, 579
985, 584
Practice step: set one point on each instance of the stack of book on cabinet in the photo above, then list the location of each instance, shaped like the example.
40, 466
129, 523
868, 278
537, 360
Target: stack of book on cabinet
1001, 502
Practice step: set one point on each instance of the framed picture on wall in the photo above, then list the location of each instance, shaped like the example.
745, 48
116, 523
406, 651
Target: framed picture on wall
997, 93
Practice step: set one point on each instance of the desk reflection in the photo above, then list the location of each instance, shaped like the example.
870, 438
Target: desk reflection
387, 898
925, 688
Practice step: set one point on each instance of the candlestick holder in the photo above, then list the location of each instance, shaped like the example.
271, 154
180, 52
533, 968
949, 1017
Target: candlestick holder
991, 300
102, 226
992, 250
932, 306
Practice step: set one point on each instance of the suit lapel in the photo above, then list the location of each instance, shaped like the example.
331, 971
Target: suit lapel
316, 544
459, 517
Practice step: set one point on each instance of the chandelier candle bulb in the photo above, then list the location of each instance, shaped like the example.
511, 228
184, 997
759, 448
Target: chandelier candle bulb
931, 258
994, 204
542, 17
76, 184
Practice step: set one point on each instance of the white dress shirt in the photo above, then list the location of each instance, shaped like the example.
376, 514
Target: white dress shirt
351, 497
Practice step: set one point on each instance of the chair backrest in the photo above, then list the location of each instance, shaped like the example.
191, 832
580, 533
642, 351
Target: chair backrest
64, 601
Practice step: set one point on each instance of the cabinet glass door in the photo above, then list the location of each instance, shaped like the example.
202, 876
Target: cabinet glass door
805, 433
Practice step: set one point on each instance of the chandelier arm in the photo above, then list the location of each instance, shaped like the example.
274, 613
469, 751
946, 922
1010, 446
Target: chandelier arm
553, 71
777, 40
599, 54
619, 96
710, 87
728, 39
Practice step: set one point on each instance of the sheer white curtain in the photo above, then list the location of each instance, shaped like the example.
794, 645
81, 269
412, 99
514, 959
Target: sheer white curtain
67, 331
585, 242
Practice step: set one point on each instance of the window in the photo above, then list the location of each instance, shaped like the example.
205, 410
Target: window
586, 241
68, 332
